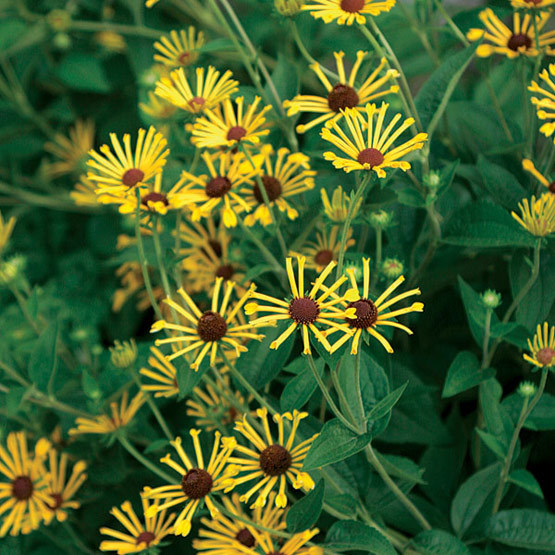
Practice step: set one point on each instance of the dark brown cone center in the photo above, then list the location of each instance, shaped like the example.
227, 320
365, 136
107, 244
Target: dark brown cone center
304, 310
323, 257
197, 483
352, 6
371, 156
132, 177
366, 314
534, 2
145, 537
518, 41
217, 187
275, 460
155, 197
22, 488
211, 326
58, 501
216, 247
272, 186
341, 97
244, 537
184, 58
225, 271
552, 187
546, 356
198, 100
236, 133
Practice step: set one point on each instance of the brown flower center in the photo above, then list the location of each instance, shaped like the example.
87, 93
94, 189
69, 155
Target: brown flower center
366, 314
518, 41
304, 310
546, 356
145, 537
244, 537
323, 257
272, 186
552, 187
132, 177
184, 58
236, 133
275, 460
534, 2
341, 97
225, 271
371, 156
217, 187
198, 100
154, 197
58, 501
22, 488
216, 247
211, 326
197, 483
352, 6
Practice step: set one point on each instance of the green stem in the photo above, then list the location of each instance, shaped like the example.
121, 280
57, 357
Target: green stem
378, 261
134, 30
76, 539
360, 402
456, 31
524, 414
341, 394
143, 460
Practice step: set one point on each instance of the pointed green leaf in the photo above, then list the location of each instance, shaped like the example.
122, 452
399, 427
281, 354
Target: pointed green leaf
306, 511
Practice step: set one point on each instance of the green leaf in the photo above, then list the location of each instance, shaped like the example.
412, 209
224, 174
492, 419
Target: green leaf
382, 408
401, 467
217, 45
496, 417
306, 511
298, 391
471, 497
284, 79
348, 535
434, 95
483, 224
334, 443
502, 185
83, 72
542, 416
90, 385
13, 399
438, 542
43, 360
156, 445
463, 374
493, 443
524, 528
526, 480
187, 378
10, 32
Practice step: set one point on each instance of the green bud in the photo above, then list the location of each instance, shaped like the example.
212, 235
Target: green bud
62, 41
380, 219
527, 389
491, 298
392, 268
432, 179
288, 8
124, 354
59, 20
12, 269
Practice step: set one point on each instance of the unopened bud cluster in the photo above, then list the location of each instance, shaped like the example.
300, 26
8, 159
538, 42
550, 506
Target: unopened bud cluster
288, 8
124, 354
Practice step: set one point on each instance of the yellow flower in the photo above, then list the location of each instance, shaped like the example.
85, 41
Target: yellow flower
103, 424
296, 545
533, 4
23, 482
512, 43
119, 174
537, 216
545, 104
213, 409
370, 314
542, 349
83, 193
346, 11
338, 209
528, 165
196, 483
60, 491
6, 230
137, 537
342, 95
272, 461
284, 177
71, 151
208, 93
304, 310
157, 108
223, 127
325, 249
226, 535
123, 354
181, 48
220, 189
164, 374
209, 331
111, 41
369, 145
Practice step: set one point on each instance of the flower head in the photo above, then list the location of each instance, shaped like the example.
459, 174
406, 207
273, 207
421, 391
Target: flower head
527, 389
204, 333
225, 127
542, 347
304, 310
537, 216
295, 545
180, 48
368, 148
545, 101
271, 462
162, 372
519, 41
346, 11
371, 314
529, 166
137, 537
23, 485
325, 249
121, 415
123, 354
338, 209
288, 8
344, 94
197, 481
83, 193
533, 4
207, 93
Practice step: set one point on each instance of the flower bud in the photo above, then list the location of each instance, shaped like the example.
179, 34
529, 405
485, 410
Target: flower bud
380, 219
432, 179
392, 268
59, 20
491, 298
288, 8
11, 269
527, 389
124, 354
